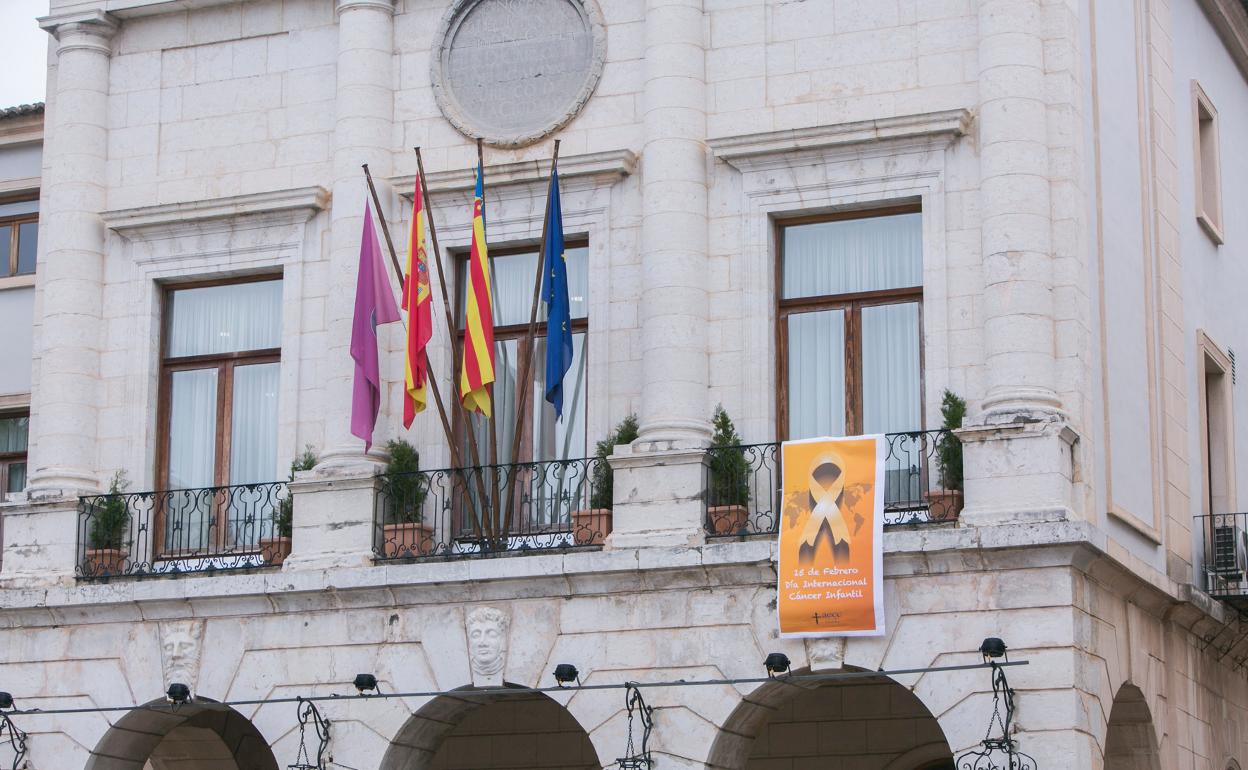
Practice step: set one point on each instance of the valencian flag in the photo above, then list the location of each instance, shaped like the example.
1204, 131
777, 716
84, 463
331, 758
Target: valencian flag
374, 304
555, 295
477, 372
416, 301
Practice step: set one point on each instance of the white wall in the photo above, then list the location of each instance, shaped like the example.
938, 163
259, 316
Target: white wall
1215, 276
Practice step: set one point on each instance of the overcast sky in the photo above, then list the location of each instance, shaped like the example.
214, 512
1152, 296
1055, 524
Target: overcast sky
25, 49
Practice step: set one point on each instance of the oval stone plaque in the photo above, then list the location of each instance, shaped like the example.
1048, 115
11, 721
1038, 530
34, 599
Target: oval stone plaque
514, 71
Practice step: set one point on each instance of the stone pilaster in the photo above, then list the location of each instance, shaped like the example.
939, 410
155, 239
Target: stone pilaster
674, 227
362, 134
332, 522
64, 405
1020, 434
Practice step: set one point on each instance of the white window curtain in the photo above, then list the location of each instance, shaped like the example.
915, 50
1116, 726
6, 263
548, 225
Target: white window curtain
890, 368
225, 319
852, 255
253, 433
816, 374
13, 434
192, 458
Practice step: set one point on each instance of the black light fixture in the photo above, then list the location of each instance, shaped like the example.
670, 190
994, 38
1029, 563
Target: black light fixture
365, 683
992, 648
777, 663
11, 734
566, 673
637, 757
178, 693
308, 714
997, 753
6, 700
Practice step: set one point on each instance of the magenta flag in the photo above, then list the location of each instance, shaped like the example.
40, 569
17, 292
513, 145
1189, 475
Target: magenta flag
374, 304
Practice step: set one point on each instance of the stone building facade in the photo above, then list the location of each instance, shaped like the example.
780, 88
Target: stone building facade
1034, 213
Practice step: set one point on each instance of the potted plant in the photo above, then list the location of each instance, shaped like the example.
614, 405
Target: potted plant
107, 538
404, 531
590, 526
728, 492
945, 503
275, 548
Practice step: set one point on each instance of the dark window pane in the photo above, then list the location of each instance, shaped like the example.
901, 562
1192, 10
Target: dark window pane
27, 243
13, 433
6, 235
17, 477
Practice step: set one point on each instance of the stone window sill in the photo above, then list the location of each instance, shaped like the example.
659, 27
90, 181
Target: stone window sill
17, 282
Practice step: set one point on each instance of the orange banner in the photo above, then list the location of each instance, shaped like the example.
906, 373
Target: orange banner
831, 577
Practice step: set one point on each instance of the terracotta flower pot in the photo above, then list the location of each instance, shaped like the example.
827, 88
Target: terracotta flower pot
274, 550
727, 519
410, 538
102, 562
944, 504
591, 526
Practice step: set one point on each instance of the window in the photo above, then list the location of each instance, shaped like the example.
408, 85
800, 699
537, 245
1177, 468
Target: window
850, 292
1207, 166
218, 409
14, 430
543, 438
19, 237
1217, 426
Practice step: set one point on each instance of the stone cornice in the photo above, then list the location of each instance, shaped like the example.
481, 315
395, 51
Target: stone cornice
91, 24
22, 129
299, 204
596, 166
749, 152
1230, 19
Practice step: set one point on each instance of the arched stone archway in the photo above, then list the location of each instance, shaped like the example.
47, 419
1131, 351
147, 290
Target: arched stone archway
1130, 740
196, 736
525, 731
874, 722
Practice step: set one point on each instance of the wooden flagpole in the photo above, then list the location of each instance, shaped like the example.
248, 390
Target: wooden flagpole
430, 378
497, 510
526, 366
456, 348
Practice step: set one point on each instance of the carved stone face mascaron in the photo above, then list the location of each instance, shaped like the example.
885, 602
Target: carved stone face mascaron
514, 71
487, 641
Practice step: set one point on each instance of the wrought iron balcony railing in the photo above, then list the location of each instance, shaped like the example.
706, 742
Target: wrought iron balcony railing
1226, 556
135, 534
493, 509
743, 489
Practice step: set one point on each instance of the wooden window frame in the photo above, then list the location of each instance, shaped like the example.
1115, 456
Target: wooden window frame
225, 364
14, 222
852, 304
11, 458
1212, 359
1208, 212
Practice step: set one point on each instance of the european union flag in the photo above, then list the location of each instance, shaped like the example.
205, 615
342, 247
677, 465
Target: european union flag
555, 295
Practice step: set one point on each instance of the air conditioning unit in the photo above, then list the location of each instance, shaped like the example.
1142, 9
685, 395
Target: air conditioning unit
1228, 555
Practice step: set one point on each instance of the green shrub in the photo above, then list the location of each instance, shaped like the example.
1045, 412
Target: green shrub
625, 433
111, 522
406, 487
729, 470
284, 519
949, 448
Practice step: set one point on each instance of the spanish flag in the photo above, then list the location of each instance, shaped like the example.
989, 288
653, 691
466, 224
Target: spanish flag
416, 301
477, 372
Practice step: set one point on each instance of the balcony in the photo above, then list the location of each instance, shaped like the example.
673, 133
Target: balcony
136, 534
743, 489
493, 510
1226, 557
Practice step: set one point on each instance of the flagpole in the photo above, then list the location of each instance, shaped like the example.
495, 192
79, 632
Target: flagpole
450, 325
526, 365
433, 381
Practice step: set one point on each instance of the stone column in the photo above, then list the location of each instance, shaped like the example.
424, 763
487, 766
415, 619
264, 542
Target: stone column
659, 480
64, 404
674, 227
362, 134
1018, 462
